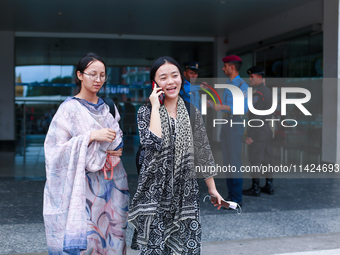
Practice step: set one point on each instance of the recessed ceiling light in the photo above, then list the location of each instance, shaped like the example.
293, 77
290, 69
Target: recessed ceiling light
222, 2
60, 13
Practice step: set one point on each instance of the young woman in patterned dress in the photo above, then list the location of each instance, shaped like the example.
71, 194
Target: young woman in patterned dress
165, 208
85, 212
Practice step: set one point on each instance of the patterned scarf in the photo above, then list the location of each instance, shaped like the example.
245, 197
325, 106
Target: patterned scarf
183, 144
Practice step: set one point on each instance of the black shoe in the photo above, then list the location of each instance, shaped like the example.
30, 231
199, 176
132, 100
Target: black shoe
255, 190
252, 192
268, 188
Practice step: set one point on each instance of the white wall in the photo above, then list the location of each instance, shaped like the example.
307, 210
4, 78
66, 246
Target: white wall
220, 49
7, 128
299, 17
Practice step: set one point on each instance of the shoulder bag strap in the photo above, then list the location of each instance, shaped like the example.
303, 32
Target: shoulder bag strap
111, 104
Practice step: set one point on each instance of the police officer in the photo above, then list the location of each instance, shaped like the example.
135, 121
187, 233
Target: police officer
259, 138
231, 136
191, 91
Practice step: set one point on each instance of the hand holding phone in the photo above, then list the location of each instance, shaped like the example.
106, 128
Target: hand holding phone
161, 96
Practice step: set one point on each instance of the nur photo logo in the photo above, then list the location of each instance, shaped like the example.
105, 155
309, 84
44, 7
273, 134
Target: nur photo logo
238, 104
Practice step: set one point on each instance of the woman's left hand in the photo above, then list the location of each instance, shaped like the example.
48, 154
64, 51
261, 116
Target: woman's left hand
117, 153
215, 193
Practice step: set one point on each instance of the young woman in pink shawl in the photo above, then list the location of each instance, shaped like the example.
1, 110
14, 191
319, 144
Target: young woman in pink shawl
85, 212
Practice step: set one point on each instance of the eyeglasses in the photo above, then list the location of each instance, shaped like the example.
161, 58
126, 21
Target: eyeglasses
94, 77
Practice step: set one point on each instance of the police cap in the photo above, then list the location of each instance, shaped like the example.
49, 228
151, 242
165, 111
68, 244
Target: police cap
256, 70
231, 58
193, 65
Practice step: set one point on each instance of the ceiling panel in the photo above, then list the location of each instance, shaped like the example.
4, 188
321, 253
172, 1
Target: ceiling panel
139, 17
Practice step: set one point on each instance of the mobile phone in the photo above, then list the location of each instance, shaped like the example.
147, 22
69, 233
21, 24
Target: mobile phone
223, 202
161, 96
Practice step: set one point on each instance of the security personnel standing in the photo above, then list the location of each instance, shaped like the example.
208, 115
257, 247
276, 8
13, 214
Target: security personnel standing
231, 136
191, 91
259, 138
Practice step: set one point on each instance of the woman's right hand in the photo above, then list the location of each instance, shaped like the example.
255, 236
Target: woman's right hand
117, 153
154, 97
103, 135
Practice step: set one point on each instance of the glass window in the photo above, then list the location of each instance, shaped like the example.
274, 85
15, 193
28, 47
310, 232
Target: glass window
272, 60
44, 70
299, 61
247, 62
44, 74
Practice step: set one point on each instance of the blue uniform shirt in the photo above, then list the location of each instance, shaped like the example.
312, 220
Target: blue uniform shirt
228, 97
191, 92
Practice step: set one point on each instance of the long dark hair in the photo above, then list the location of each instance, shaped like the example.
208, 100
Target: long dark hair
161, 61
84, 63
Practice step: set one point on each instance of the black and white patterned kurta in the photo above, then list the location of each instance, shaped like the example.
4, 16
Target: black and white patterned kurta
165, 208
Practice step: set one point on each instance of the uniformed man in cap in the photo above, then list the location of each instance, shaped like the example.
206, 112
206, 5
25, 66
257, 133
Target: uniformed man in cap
231, 136
260, 138
191, 91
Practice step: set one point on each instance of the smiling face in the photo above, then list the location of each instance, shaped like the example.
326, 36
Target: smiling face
169, 79
96, 68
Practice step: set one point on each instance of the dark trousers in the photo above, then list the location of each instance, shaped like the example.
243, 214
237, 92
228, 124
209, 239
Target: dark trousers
231, 139
260, 151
